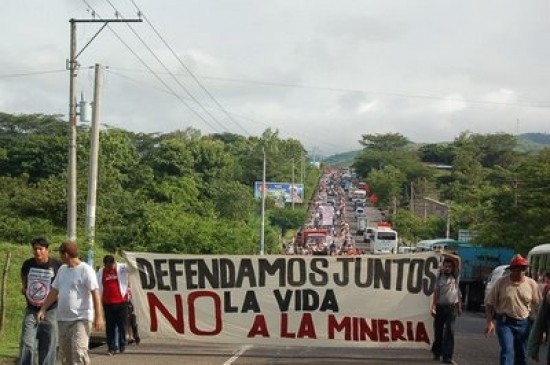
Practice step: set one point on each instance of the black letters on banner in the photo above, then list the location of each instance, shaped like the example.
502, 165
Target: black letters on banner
296, 276
246, 271
318, 277
146, 274
430, 266
268, 269
407, 273
414, 282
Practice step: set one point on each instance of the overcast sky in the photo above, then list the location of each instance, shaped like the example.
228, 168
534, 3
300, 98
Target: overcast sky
322, 71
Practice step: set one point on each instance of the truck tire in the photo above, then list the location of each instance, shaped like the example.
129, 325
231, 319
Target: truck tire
472, 295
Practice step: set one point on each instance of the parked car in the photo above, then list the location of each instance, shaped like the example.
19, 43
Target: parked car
359, 211
497, 273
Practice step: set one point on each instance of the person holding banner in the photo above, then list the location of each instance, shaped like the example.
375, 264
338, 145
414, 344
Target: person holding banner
446, 305
113, 288
37, 274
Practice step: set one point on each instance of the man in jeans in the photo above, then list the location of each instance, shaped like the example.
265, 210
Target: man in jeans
37, 274
113, 287
509, 302
76, 290
446, 305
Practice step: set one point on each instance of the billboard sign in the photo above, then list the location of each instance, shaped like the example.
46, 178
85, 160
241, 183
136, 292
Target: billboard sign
281, 192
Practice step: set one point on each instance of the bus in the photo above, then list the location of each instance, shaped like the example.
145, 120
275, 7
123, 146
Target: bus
439, 244
384, 240
539, 260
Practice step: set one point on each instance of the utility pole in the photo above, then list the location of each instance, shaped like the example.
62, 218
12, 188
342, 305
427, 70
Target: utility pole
72, 66
448, 231
302, 167
93, 165
448, 210
264, 188
412, 198
71, 173
515, 187
292, 188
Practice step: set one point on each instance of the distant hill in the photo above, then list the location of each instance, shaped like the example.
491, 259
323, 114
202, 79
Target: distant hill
344, 159
533, 142
527, 142
540, 138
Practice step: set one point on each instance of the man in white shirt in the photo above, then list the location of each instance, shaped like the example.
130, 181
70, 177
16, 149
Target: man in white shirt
77, 293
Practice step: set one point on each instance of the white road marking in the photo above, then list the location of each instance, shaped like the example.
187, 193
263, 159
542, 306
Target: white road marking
238, 354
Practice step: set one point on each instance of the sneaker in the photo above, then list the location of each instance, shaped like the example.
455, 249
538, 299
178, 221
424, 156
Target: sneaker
138, 340
122, 350
448, 361
110, 353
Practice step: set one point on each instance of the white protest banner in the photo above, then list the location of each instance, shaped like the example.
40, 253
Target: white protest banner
353, 301
328, 215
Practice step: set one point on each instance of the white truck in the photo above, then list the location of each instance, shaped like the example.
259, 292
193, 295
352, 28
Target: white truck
361, 224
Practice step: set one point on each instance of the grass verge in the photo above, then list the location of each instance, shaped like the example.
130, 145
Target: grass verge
15, 301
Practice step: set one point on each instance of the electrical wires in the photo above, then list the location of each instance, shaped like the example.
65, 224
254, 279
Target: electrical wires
219, 126
30, 73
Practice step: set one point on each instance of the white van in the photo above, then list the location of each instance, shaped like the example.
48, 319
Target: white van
497, 273
384, 240
358, 195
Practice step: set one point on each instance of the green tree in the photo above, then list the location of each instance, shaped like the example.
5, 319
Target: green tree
386, 184
384, 142
437, 153
233, 200
286, 219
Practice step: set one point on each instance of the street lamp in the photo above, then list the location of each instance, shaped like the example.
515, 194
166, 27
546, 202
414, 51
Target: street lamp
448, 212
262, 234
292, 194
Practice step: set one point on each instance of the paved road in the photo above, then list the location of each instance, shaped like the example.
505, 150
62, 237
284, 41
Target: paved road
472, 348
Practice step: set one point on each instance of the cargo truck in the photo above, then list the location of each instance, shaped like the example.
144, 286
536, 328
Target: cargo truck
315, 238
477, 265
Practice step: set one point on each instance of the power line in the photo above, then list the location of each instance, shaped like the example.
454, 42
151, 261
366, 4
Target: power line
366, 92
168, 70
153, 72
30, 73
122, 75
187, 68
144, 84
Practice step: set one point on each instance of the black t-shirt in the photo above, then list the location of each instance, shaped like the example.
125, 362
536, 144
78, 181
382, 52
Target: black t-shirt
39, 279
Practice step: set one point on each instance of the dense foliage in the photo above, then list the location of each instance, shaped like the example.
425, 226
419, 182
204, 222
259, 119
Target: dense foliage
175, 192
491, 187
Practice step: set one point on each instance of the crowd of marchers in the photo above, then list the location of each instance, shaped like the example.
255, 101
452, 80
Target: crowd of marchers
327, 231
66, 300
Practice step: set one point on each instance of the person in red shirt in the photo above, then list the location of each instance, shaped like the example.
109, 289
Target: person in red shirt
113, 286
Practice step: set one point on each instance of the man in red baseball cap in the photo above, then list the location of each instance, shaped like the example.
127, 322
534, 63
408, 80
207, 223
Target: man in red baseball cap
509, 303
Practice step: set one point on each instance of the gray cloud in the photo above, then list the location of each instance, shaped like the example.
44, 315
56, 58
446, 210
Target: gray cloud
320, 71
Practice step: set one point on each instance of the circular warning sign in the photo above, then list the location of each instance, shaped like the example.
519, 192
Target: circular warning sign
37, 292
